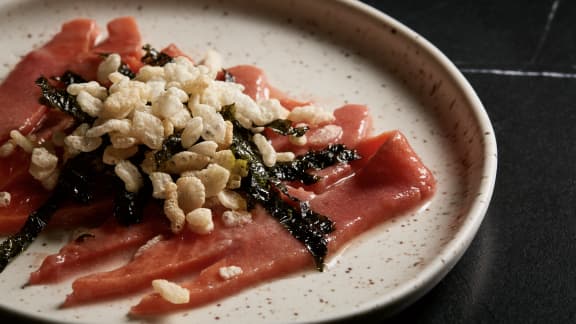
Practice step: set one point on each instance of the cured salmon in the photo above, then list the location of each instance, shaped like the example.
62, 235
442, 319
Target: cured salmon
389, 180
256, 86
392, 182
73, 49
18, 93
123, 38
95, 244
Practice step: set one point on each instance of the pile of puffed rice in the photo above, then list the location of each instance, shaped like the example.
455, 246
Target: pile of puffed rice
159, 101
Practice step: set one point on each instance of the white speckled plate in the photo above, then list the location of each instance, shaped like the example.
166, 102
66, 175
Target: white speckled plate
332, 52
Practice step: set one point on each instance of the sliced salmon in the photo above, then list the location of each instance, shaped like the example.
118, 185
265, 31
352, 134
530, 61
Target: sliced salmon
389, 181
184, 253
256, 85
18, 93
174, 51
354, 120
392, 182
72, 49
263, 249
123, 38
99, 244
27, 193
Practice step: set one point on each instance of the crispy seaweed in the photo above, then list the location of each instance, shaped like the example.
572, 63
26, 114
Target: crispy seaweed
154, 57
263, 186
58, 98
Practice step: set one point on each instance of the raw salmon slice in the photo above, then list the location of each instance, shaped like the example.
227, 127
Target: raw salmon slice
171, 257
263, 249
392, 182
123, 38
95, 245
256, 85
72, 49
18, 93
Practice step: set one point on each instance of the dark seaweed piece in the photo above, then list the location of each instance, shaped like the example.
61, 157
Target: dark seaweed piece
154, 57
60, 99
36, 222
171, 145
262, 187
124, 69
76, 181
81, 175
284, 127
126, 208
129, 206
316, 160
69, 77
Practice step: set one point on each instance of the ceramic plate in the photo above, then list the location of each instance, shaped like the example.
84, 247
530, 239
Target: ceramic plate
332, 52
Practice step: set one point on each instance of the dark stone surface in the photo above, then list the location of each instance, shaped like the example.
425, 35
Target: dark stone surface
521, 267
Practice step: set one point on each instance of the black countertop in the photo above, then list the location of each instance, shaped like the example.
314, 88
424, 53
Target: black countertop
520, 57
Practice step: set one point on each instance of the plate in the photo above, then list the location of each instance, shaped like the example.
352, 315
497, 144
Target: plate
332, 52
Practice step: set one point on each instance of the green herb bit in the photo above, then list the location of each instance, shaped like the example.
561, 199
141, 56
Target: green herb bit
62, 100
154, 57
314, 160
284, 127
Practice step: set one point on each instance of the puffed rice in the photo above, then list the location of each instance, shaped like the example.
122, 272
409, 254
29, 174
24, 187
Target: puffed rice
93, 88
207, 148
191, 193
121, 126
266, 149
310, 114
186, 161
148, 129
159, 181
5, 199
113, 156
214, 126
171, 209
7, 149
214, 177
229, 272
170, 291
108, 66
22, 141
199, 221
232, 200
192, 132
130, 175
89, 103
233, 218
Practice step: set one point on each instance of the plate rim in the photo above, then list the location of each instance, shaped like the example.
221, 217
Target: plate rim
409, 291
